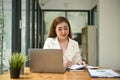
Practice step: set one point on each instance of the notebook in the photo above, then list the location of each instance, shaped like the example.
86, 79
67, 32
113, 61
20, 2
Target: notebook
46, 60
76, 68
97, 73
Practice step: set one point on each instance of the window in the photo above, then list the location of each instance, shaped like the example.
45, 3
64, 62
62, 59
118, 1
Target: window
77, 19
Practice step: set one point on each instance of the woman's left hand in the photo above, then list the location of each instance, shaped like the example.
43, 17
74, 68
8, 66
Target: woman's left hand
81, 63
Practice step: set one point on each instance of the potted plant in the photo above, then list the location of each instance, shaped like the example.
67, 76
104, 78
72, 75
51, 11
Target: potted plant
16, 61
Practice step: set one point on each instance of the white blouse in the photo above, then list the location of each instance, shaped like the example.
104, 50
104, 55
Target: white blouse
72, 52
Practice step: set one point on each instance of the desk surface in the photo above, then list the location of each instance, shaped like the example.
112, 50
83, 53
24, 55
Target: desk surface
81, 75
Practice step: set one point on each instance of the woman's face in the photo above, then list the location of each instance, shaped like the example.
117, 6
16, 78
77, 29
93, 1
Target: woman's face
62, 31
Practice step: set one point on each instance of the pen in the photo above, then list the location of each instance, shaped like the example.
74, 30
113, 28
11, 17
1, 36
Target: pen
66, 58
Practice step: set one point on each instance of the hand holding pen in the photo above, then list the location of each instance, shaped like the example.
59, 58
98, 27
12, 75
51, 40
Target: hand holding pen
68, 63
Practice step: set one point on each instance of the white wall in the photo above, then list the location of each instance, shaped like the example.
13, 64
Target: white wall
109, 31
93, 3
66, 4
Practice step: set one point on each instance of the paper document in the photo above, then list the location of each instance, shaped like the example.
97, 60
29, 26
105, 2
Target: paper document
103, 73
76, 66
92, 67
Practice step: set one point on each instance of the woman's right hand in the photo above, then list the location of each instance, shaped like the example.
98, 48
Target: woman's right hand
69, 63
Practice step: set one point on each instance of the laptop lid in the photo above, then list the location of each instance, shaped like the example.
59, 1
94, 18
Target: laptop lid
46, 60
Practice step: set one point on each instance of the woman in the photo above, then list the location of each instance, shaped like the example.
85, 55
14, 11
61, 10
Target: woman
60, 38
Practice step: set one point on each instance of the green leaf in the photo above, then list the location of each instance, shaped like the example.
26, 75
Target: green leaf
16, 60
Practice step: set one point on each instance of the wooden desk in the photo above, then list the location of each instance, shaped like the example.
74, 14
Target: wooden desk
83, 75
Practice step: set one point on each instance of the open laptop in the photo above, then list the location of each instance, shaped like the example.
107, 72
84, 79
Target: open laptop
46, 60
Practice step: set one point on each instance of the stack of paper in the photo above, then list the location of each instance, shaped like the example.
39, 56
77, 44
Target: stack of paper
92, 67
103, 73
77, 68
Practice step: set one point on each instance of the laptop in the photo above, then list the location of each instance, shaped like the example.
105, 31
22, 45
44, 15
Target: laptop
46, 60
